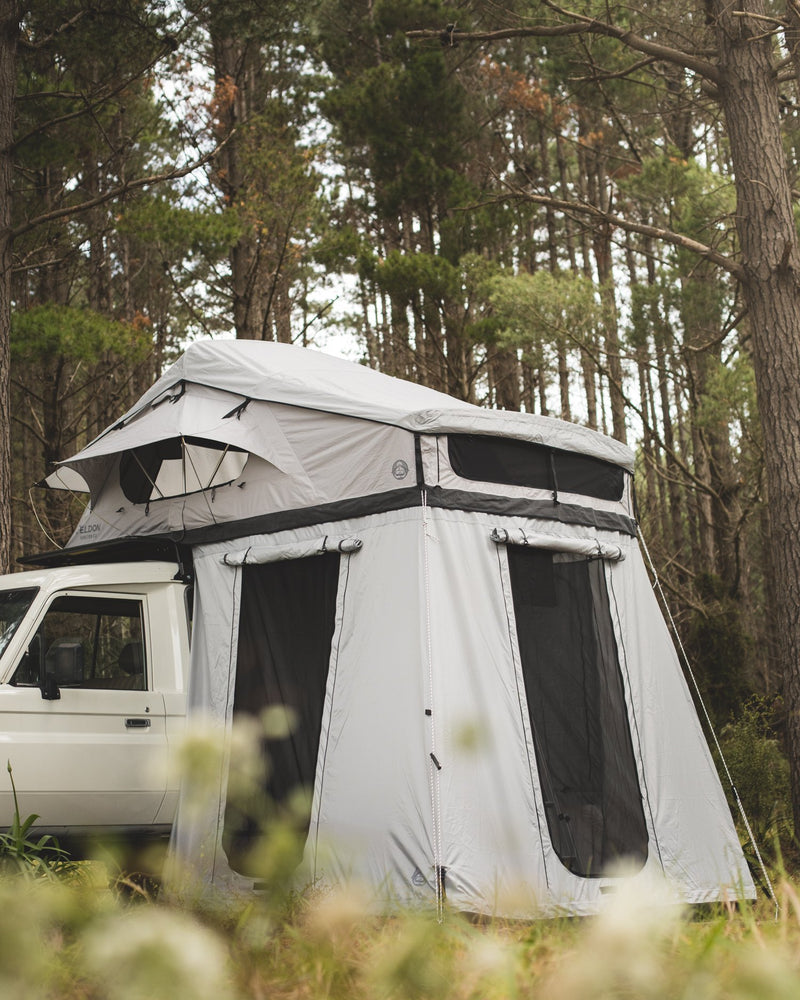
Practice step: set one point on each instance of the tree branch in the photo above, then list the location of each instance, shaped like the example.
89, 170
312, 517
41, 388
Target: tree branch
114, 193
25, 43
90, 103
580, 24
629, 226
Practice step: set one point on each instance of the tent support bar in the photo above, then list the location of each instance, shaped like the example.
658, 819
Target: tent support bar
146, 474
589, 547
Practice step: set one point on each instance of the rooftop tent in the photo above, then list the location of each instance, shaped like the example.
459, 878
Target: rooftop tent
195, 413
451, 604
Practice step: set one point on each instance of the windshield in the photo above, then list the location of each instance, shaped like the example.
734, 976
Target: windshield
13, 607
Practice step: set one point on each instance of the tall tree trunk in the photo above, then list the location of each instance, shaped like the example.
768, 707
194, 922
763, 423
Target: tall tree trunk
9, 32
771, 266
553, 244
660, 338
233, 108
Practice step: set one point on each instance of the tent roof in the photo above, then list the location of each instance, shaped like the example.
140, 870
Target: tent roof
298, 376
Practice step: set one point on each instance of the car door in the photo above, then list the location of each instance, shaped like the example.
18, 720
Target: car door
82, 728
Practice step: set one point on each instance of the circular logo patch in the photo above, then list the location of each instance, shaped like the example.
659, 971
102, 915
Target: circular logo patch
400, 469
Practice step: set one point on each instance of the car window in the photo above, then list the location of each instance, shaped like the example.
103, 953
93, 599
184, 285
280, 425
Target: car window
14, 605
88, 642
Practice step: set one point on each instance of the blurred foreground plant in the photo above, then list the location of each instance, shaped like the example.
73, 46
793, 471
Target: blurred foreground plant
289, 942
42, 858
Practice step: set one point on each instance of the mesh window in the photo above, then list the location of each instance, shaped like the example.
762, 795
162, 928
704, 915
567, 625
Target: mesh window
578, 715
521, 463
178, 467
286, 626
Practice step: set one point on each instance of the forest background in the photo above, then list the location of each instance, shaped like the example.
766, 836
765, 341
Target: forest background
545, 219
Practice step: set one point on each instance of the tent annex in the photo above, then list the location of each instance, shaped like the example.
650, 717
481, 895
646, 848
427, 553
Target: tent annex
451, 602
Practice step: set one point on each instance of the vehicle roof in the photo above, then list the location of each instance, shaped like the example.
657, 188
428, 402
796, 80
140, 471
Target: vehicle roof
92, 575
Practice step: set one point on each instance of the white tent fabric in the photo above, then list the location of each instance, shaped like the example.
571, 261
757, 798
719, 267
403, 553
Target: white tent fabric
312, 380
689, 852
197, 467
429, 617
343, 458
64, 478
198, 412
383, 814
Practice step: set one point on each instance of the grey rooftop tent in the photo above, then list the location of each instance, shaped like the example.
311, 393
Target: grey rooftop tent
452, 602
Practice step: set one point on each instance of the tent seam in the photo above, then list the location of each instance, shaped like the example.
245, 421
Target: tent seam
634, 717
433, 771
226, 757
517, 665
335, 666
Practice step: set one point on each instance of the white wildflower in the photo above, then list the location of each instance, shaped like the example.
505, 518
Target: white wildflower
152, 952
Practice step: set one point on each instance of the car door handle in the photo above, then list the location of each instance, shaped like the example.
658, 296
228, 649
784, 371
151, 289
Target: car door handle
137, 723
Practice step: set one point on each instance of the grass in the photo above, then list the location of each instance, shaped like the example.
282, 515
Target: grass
89, 934
83, 939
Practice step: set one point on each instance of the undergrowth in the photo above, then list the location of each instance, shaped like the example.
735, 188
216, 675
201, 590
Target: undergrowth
86, 942
75, 931
22, 854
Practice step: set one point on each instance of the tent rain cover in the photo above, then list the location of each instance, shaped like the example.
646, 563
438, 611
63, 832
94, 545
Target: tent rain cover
450, 606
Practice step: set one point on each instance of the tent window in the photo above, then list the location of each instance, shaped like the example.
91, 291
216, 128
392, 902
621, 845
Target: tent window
521, 463
286, 626
177, 467
576, 703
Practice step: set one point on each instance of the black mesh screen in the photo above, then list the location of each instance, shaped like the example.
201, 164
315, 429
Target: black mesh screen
139, 467
286, 627
576, 703
521, 463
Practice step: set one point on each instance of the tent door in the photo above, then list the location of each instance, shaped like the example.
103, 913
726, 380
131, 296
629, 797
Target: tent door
577, 709
286, 627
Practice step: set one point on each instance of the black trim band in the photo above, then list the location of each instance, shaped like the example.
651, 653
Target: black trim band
141, 548
340, 510
302, 517
566, 513
381, 503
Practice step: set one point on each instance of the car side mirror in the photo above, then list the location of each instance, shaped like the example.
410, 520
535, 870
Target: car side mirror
49, 687
63, 667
